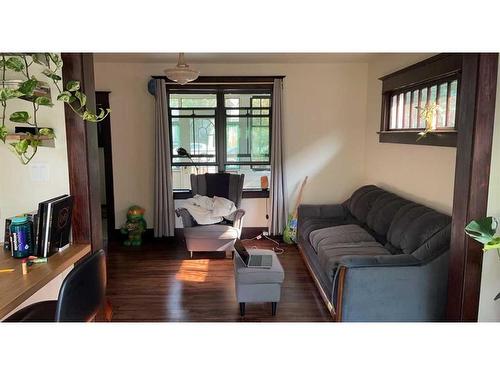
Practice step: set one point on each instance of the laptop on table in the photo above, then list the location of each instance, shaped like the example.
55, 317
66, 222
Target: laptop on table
253, 260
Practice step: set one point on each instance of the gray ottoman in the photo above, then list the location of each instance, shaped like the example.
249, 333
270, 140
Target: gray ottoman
258, 284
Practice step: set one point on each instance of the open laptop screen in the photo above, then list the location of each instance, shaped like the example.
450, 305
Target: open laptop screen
242, 252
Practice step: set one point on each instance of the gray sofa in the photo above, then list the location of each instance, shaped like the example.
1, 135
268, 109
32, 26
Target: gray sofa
377, 256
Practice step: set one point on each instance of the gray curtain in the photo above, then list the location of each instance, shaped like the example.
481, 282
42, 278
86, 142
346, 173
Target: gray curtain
277, 190
164, 215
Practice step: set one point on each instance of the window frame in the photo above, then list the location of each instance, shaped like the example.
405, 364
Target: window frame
432, 71
221, 86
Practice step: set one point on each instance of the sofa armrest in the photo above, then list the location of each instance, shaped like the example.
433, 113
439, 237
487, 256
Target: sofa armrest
392, 292
238, 218
187, 219
321, 211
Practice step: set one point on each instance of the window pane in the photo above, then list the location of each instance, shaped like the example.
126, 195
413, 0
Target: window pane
414, 110
393, 115
400, 111
441, 102
406, 123
452, 104
423, 103
181, 175
252, 174
247, 127
193, 100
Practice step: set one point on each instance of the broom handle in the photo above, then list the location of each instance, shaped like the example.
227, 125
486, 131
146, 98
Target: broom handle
299, 198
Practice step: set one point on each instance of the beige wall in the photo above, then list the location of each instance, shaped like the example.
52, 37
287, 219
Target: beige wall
18, 192
489, 310
323, 137
421, 173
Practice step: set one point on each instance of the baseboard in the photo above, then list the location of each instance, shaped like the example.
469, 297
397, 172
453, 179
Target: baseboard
246, 232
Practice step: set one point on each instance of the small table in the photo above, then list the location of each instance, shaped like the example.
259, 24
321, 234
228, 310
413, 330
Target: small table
15, 287
258, 284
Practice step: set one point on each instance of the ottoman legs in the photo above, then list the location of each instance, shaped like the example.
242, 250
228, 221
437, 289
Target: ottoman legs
274, 307
242, 308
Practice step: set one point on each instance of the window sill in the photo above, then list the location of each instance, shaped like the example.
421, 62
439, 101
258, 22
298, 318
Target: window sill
247, 194
444, 138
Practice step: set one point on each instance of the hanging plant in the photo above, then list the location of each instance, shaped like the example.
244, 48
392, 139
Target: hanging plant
36, 91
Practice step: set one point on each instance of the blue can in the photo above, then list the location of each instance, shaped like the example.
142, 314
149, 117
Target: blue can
21, 239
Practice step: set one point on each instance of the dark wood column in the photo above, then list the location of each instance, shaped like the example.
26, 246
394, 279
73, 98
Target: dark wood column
472, 171
83, 156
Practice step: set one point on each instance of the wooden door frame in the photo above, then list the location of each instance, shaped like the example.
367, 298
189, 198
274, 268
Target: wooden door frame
83, 158
102, 99
475, 124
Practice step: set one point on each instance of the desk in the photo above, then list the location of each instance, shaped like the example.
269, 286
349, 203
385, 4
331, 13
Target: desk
15, 287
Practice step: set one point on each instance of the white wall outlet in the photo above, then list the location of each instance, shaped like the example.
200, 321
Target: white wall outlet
39, 172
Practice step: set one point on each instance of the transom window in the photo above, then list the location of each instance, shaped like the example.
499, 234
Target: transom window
223, 129
407, 106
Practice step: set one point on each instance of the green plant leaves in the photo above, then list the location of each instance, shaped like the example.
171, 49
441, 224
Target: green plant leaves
20, 116
6, 94
28, 86
3, 133
92, 117
40, 59
43, 100
49, 73
15, 64
47, 132
73, 86
82, 98
22, 146
66, 97
483, 231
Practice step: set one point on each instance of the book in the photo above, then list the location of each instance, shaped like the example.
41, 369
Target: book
58, 225
41, 240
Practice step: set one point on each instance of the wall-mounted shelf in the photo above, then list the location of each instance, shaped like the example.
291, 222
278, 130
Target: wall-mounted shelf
16, 137
42, 89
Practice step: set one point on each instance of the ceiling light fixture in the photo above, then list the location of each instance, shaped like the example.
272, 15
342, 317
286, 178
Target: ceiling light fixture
181, 73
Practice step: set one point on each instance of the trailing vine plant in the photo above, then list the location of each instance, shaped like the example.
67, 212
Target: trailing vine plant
21, 63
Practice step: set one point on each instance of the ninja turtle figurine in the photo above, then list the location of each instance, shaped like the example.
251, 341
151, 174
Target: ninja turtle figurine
134, 227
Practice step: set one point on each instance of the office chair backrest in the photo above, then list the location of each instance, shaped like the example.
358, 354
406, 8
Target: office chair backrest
225, 185
83, 290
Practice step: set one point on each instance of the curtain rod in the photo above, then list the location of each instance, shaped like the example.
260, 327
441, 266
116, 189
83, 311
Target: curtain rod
218, 83
229, 79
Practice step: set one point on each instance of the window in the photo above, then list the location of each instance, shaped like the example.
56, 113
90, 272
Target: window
406, 111
425, 95
225, 128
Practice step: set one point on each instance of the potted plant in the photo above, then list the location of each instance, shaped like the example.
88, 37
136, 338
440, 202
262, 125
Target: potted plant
33, 89
484, 231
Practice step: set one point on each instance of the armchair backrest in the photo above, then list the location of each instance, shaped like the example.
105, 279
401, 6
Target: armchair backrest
225, 185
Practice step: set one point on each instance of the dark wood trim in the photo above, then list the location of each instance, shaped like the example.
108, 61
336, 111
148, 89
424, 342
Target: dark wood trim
247, 194
322, 293
474, 143
340, 293
102, 100
410, 136
83, 159
430, 69
227, 79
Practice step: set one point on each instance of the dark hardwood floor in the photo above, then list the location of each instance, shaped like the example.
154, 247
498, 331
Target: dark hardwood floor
158, 282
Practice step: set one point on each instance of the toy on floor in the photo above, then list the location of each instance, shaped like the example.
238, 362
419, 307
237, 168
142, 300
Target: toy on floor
135, 226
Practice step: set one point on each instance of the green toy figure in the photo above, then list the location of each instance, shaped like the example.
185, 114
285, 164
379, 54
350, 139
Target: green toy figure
135, 226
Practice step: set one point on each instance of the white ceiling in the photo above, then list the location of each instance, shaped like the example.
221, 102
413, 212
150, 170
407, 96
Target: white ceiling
236, 58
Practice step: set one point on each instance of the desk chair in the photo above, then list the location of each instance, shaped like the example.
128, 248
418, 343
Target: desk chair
81, 295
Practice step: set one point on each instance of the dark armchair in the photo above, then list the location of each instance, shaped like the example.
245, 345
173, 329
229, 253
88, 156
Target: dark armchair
215, 237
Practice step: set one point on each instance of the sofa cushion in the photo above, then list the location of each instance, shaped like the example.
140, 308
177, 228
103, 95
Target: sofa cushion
362, 201
414, 225
309, 225
382, 213
350, 233
330, 255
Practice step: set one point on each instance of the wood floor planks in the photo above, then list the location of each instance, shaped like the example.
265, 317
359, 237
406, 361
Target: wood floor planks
158, 282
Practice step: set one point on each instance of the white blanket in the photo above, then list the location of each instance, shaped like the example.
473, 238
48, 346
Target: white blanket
206, 210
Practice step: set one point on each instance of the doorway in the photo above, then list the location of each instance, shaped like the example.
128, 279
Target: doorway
105, 169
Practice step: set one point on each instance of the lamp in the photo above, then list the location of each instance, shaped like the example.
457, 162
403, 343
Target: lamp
181, 73
182, 152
